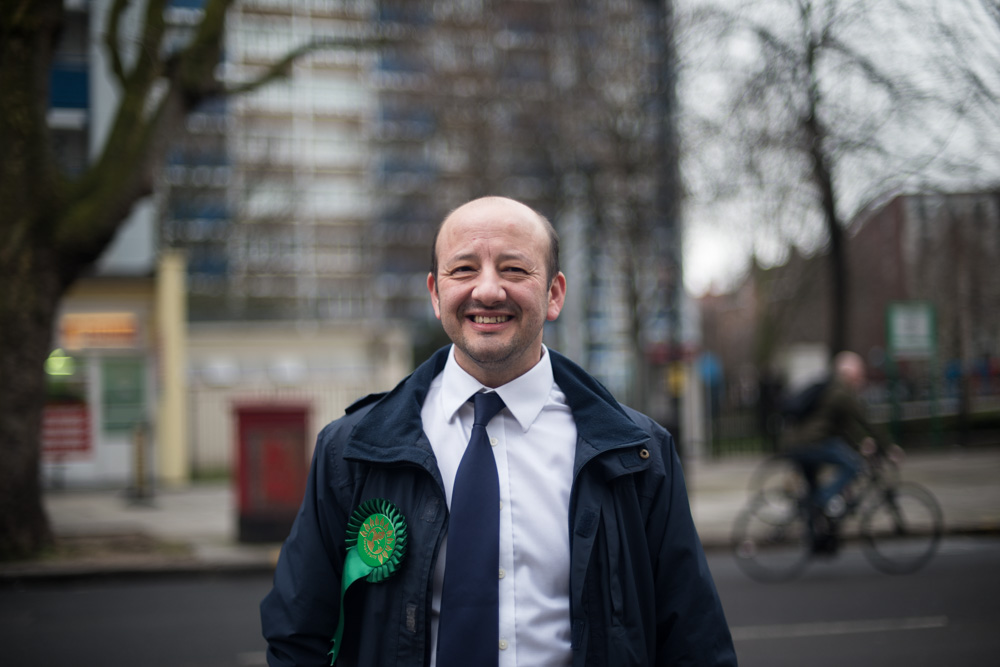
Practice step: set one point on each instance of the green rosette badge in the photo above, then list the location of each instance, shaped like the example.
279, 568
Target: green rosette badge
376, 544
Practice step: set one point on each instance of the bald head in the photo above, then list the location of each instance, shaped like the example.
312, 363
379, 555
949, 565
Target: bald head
850, 367
503, 206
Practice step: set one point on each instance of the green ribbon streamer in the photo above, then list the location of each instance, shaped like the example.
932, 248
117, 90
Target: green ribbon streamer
354, 569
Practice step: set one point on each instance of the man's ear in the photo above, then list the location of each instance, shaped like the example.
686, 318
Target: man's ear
435, 299
557, 296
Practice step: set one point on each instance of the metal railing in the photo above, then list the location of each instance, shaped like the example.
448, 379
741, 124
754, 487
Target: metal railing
935, 418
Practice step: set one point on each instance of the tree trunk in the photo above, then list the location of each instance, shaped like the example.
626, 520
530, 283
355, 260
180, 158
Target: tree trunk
815, 137
837, 253
838, 287
29, 289
28, 304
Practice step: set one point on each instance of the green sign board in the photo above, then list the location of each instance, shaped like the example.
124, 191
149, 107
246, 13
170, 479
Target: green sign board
123, 393
911, 330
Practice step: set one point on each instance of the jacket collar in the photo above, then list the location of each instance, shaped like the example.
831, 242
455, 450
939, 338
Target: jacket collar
601, 423
392, 432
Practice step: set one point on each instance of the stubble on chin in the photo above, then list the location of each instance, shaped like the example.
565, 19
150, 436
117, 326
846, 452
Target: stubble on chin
485, 355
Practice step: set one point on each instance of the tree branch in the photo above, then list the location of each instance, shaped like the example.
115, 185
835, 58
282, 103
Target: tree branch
149, 60
109, 187
872, 71
281, 68
194, 74
122, 174
111, 39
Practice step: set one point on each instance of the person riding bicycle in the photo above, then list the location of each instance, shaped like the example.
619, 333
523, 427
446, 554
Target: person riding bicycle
833, 430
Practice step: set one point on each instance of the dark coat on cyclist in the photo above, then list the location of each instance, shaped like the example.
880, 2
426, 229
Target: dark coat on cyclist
837, 414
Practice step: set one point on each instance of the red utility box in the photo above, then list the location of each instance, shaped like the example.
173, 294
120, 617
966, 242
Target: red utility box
272, 466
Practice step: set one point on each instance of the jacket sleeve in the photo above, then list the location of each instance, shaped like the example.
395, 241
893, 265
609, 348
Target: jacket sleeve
856, 424
691, 625
299, 616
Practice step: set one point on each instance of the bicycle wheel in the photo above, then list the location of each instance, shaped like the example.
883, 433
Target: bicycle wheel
901, 533
771, 541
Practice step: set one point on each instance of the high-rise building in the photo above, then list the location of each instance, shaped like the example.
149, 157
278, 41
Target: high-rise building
270, 191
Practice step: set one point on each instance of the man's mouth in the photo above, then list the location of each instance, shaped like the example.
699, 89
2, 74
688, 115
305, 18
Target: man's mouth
494, 319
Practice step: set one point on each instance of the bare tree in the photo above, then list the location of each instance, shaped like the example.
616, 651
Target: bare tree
809, 109
54, 225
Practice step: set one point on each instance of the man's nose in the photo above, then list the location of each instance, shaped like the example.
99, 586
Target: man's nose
489, 288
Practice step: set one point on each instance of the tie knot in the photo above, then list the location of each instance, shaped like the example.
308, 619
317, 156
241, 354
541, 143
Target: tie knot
487, 406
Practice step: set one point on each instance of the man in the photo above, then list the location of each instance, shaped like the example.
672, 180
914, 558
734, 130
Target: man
833, 433
599, 561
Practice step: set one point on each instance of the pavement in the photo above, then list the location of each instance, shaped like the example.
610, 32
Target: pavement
194, 528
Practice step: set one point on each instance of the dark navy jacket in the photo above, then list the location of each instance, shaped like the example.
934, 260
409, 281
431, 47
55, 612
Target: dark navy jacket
641, 592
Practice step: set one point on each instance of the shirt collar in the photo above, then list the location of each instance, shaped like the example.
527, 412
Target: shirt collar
524, 396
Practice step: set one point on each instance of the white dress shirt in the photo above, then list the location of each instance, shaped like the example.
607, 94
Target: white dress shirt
534, 443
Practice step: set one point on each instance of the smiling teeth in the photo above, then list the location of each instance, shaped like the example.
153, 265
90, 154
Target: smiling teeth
479, 319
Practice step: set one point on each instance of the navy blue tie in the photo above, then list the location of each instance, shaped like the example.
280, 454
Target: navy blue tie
468, 633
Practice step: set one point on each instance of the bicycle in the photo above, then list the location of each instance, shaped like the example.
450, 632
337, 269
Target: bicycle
899, 523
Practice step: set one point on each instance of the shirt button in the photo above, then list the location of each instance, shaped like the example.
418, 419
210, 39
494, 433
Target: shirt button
502, 573
494, 441
501, 504
503, 644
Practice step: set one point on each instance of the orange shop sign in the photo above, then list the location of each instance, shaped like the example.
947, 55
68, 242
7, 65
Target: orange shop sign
82, 331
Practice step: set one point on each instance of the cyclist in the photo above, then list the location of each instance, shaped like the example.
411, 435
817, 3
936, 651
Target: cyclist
832, 430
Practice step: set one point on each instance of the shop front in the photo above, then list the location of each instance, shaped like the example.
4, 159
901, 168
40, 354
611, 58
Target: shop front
97, 420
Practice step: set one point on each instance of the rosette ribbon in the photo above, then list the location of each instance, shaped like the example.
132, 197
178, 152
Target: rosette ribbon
376, 544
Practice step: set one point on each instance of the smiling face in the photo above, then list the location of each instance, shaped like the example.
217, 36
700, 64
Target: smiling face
492, 291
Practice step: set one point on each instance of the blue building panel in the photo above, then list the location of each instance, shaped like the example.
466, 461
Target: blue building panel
69, 86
